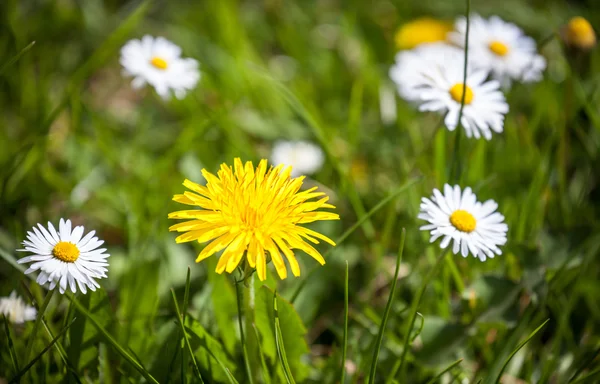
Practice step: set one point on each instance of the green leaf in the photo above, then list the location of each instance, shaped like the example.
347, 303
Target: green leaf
224, 308
209, 353
292, 332
83, 336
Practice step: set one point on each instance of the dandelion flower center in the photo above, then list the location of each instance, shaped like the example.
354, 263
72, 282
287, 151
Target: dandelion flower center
456, 92
253, 212
159, 63
463, 221
66, 251
498, 48
421, 31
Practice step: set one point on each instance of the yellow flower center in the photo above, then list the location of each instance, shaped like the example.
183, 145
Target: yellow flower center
159, 63
463, 221
498, 48
66, 251
457, 93
580, 33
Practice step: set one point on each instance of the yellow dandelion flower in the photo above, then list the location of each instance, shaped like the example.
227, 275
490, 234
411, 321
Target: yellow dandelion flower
579, 33
420, 31
252, 211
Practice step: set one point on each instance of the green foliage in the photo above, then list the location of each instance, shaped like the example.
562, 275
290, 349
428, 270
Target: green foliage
76, 141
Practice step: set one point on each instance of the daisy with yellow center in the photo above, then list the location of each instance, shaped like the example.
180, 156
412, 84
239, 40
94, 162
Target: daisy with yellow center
423, 30
158, 62
432, 77
252, 212
501, 48
579, 33
457, 216
65, 258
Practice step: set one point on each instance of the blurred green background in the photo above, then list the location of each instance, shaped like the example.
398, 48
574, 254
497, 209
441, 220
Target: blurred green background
77, 142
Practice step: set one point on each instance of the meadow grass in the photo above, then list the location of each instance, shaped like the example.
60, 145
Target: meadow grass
78, 142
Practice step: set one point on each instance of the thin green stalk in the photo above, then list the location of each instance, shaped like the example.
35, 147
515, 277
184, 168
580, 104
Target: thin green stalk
414, 308
11, 347
455, 177
386, 312
350, 230
448, 368
345, 342
280, 345
240, 301
38, 321
263, 362
16, 57
112, 341
185, 337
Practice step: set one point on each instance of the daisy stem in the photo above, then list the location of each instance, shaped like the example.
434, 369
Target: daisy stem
240, 302
38, 321
455, 177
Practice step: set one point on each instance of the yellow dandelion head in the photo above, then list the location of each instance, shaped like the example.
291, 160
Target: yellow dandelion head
579, 33
252, 211
420, 31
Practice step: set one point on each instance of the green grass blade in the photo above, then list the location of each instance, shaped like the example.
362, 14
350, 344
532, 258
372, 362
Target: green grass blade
263, 362
345, 342
521, 345
186, 295
62, 353
187, 341
386, 313
11, 347
16, 378
280, 346
38, 321
112, 341
351, 230
9, 258
448, 368
16, 57
586, 378
413, 316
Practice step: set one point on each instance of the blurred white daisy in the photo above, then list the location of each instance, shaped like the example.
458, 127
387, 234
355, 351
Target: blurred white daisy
434, 81
305, 158
65, 258
475, 227
16, 310
407, 72
158, 62
501, 48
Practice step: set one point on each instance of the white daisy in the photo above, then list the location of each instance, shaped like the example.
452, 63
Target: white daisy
64, 257
16, 310
434, 81
406, 71
305, 158
475, 227
500, 47
157, 61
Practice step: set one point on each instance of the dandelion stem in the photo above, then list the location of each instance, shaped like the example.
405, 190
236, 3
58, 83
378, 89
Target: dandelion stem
240, 301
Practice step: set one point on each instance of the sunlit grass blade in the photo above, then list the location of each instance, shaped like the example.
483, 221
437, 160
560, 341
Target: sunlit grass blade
11, 347
280, 346
351, 230
448, 368
587, 378
11, 260
186, 295
16, 378
399, 365
345, 342
386, 313
521, 345
62, 353
584, 364
185, 337
112, 341
230, 377
16, 57
263, 362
